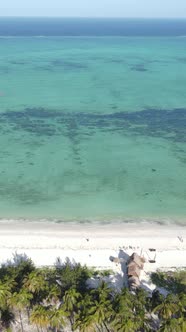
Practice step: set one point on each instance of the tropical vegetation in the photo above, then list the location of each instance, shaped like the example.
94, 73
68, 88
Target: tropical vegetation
60, 299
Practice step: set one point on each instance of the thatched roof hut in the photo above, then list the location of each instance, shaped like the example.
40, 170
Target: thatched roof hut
133, 270
133, 283
134, 266
138, 260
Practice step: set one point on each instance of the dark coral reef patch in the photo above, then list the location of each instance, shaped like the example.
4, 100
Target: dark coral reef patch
165, 123
139, 67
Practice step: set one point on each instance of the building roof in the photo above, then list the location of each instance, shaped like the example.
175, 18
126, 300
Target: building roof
133, 270
138, 260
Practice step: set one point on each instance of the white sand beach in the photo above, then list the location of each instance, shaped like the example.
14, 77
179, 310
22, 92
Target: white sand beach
95, 244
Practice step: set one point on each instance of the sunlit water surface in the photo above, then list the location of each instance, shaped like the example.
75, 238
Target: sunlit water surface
93, 128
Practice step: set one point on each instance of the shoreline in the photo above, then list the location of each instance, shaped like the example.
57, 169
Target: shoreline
93, 244
162, 221
112, 231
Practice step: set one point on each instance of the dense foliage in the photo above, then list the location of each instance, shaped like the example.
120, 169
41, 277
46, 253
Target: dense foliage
59, 299
174, 282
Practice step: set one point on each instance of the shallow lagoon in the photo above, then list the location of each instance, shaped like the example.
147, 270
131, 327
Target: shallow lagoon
93, 128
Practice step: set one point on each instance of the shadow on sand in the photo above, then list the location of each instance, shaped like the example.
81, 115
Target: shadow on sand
121, 260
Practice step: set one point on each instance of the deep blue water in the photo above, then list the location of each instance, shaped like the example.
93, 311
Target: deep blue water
91, 27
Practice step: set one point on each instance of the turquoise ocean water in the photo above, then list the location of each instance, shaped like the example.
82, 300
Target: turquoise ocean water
93, 128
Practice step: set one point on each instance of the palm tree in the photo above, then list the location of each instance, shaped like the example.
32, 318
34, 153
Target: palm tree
84, 321
155, 299
129, 312
122, 302
125, 325
6, 314
35, 282
103, 292
95, 310
173, 325
124, 319
53, 296
5, 294
40, 316
21, 301
167, 308
101, 312
182, 323
6, 319
141, 305
70, 303
182, 303
57, 318
101, 309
